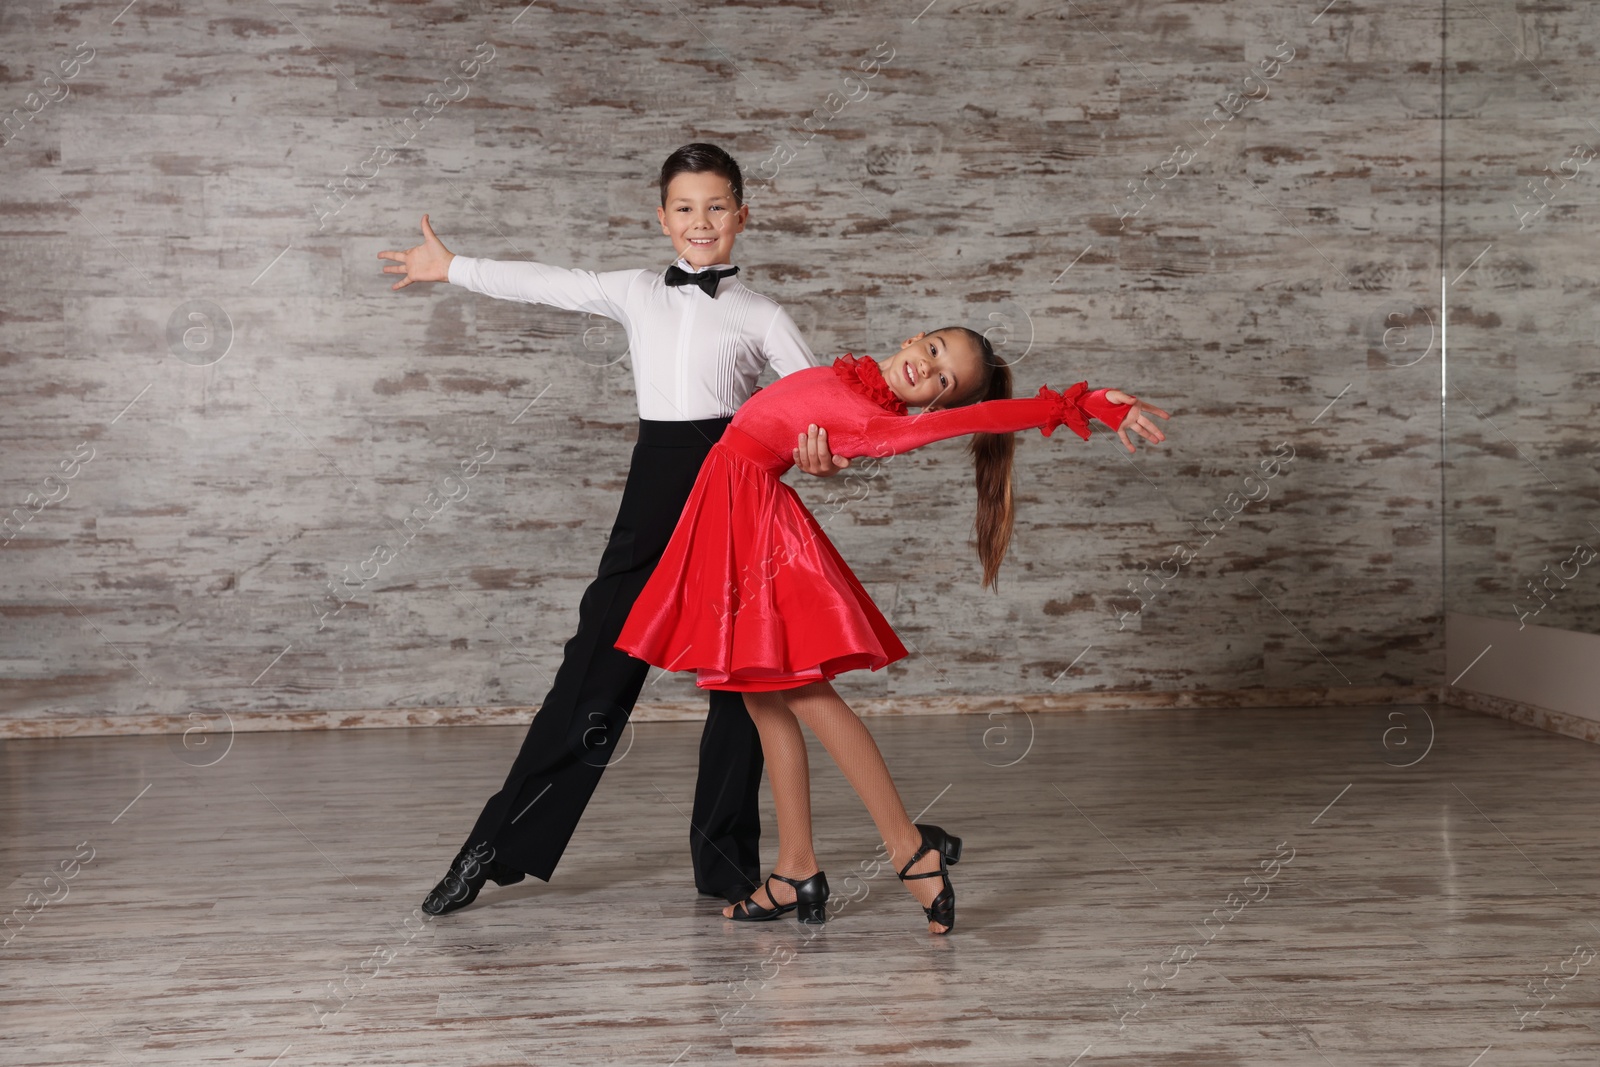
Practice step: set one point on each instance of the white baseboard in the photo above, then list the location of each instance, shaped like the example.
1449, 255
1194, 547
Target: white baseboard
1534, 674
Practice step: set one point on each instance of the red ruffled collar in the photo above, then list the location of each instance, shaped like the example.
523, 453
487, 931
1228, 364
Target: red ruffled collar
863, 375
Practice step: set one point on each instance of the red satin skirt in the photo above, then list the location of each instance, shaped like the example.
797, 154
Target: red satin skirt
750, 594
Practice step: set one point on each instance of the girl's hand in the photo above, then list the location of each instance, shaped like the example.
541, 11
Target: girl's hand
427, 262
1137, 419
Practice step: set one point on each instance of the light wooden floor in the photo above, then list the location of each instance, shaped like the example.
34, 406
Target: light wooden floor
1419, 904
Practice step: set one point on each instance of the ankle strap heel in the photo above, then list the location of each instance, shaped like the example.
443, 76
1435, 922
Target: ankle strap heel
934, 839
948, 844
810, 900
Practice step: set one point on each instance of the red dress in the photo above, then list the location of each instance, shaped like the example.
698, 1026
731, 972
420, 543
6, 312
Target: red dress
750, 593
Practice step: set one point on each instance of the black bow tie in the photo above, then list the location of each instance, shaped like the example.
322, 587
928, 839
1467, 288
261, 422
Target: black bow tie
706, 279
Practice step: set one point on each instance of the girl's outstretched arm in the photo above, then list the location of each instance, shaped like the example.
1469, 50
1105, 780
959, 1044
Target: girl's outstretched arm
891, 434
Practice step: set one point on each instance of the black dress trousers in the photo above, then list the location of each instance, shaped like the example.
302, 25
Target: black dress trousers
533, 816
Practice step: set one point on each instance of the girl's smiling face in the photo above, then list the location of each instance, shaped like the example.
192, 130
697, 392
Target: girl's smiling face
701, 217
935, 370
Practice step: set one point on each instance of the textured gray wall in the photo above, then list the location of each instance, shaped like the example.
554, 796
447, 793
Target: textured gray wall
983, 175
1523, 158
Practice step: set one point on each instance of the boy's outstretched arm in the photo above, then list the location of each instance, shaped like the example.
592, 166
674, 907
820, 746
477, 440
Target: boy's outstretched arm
427, 262
813, 455
523, 281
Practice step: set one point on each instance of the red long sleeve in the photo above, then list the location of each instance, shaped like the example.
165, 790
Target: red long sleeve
890, 434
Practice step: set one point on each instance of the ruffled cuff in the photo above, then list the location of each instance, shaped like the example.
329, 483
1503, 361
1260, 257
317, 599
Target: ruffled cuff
1066, 409
1077, 406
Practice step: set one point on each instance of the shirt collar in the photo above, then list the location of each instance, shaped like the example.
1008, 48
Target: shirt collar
683, 264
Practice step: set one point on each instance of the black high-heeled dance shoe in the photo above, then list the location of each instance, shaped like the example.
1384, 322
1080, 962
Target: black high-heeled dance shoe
943, 908
810, 900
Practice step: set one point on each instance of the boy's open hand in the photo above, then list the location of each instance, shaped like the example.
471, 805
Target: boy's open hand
1137, 419
813, 455
427, 262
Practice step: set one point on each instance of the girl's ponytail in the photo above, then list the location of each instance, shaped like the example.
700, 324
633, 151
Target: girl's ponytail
992, 454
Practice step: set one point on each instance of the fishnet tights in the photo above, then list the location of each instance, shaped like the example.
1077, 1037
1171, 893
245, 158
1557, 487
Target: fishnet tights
778, 716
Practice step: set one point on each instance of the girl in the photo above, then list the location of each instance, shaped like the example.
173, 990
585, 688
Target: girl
752, 595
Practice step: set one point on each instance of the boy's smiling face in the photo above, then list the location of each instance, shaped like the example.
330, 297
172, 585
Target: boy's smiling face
701, 218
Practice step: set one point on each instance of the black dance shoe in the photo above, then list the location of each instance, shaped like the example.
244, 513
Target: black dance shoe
810, 900
473, 865
943, 908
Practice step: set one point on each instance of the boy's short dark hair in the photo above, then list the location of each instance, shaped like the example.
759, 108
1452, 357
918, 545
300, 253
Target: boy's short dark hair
702, 158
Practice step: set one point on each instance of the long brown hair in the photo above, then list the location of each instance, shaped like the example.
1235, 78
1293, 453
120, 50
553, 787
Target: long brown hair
992, 455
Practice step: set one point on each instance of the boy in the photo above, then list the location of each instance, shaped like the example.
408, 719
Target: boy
699, 339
